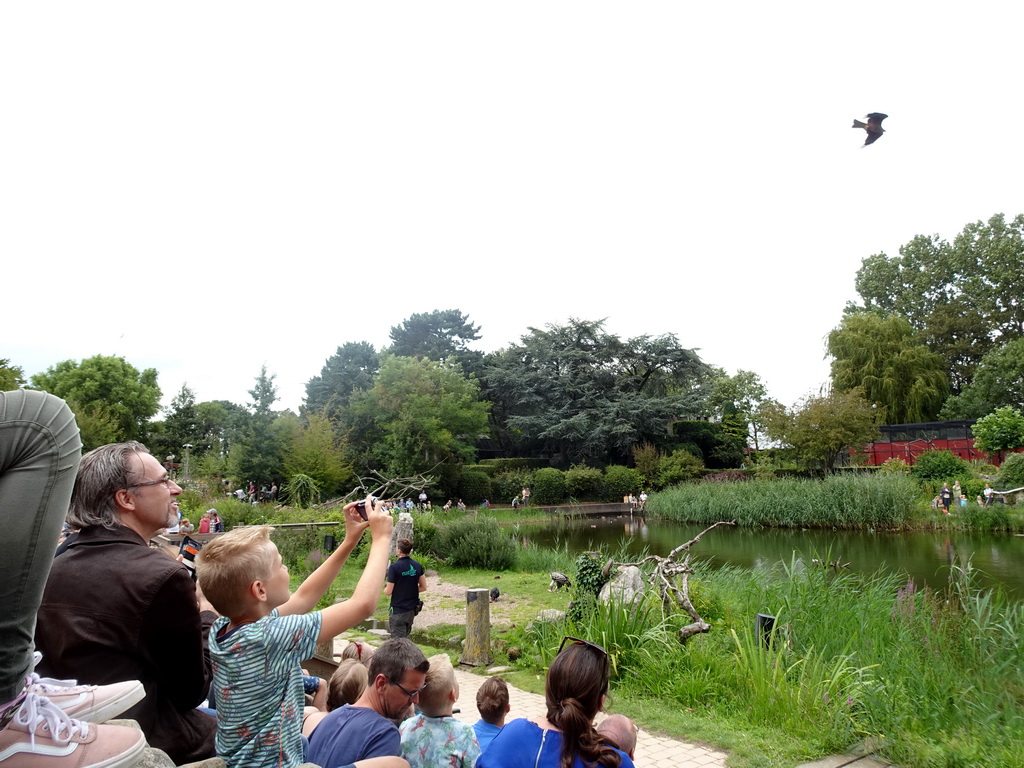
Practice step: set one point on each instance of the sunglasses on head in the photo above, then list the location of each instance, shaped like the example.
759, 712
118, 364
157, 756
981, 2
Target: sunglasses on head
580, 641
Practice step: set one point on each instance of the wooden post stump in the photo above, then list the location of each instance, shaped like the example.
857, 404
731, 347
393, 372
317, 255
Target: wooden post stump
477, 650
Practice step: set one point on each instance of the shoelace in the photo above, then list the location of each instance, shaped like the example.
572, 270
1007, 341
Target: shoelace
38, 710
49, 684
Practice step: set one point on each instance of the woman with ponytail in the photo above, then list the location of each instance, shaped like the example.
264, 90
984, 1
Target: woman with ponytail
575, 691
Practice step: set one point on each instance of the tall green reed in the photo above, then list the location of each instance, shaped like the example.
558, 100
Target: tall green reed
840, 501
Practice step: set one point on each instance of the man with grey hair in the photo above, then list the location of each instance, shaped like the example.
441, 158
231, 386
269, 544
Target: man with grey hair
367, 728
113, 609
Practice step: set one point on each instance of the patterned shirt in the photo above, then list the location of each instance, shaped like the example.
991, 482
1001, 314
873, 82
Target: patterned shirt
257, 684
438, 742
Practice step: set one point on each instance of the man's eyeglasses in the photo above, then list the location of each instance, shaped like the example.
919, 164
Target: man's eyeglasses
411, 694
165, 482
581, 641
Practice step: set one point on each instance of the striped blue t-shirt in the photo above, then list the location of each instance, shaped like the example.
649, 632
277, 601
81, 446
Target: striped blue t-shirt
257, 684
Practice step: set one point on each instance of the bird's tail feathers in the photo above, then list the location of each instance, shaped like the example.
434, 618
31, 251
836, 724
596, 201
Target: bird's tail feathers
859, 124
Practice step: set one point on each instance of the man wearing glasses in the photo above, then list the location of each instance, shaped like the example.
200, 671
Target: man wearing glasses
113, 609
367, 728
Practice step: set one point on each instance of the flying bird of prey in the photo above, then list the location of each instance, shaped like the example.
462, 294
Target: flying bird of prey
873, 126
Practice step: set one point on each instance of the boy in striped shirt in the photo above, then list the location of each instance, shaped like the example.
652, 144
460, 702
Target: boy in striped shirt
264, 633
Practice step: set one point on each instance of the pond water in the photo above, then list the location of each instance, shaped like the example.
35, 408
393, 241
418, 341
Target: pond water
924, 557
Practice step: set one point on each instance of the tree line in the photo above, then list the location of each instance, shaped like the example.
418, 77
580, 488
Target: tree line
938, 333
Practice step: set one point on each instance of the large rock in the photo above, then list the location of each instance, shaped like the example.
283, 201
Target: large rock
624, 587
548, 616
403, 530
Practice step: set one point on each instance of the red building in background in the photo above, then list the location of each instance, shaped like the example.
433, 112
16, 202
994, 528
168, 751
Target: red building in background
906, 441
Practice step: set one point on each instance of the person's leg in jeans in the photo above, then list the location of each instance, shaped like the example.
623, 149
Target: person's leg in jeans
39, 454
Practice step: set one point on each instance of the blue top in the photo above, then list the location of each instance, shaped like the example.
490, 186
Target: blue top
522, 744
350, 734
485, 733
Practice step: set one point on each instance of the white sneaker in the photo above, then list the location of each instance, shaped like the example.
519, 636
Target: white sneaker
41, 735
92, 703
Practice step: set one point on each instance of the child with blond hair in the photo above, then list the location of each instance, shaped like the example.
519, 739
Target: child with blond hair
347, 684
265, 632
433, 738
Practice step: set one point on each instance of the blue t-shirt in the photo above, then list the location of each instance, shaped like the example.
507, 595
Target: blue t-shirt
485, 732
257, 683
522, 744
353, 733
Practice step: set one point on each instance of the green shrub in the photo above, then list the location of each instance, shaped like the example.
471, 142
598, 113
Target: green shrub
894, 466
475, 542
647, 459
584, 483
548, 486
515, 463
474, 487
940, 465
488, 469
621, 481
447, 486
679, 467
1011, 474
425, 532
301, 490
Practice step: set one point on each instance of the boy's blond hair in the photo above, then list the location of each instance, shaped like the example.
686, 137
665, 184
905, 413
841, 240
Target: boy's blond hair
440, 682
228, 565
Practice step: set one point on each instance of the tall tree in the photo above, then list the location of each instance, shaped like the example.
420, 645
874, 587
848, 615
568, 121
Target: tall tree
880, 355
424, 413
739, 397
108, 388
181, 425
257, 453
352, 368
576, 392
314, 451
998, 381
960, 297
1002, 430
11, 376
437, 336
822, 426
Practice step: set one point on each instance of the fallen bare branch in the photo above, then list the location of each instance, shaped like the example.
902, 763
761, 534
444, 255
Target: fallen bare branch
666, 571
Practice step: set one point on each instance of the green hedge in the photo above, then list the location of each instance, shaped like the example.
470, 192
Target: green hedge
548, 486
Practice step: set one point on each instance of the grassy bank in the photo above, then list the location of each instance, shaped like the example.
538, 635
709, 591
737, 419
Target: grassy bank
934, 678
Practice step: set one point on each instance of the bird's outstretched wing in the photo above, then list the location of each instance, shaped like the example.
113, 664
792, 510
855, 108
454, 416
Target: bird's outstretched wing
874, 127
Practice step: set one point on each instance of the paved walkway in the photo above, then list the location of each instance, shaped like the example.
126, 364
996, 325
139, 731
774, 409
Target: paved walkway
651, 751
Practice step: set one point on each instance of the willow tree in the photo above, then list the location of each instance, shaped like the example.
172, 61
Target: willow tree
881, 355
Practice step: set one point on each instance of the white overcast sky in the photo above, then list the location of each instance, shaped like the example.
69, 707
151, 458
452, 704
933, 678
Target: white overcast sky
205, 187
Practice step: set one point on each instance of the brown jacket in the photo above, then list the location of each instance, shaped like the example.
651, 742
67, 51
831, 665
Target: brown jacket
114, 609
